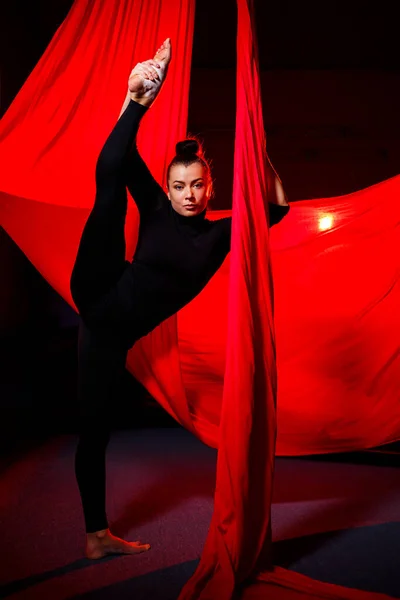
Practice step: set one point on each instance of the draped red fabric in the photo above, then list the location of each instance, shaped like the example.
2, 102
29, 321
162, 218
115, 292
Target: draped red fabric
334, 264
336, 287
238, 546
240, 532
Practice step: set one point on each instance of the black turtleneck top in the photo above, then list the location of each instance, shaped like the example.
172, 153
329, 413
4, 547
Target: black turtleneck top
176, 255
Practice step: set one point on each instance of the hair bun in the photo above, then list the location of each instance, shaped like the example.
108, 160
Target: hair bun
187, 148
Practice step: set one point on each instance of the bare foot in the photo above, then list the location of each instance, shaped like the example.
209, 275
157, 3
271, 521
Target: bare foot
146, 78
103, 543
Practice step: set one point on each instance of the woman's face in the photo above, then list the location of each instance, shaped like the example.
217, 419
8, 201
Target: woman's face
189, 189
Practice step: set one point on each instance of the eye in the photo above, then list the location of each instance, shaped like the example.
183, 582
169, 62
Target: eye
198, 185
178, 187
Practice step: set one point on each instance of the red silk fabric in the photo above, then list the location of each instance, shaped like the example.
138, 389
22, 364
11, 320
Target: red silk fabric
334, 262
238, 546
240, 533
337, 324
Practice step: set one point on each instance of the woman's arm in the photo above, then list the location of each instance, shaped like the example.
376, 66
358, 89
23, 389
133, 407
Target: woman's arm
276, 213
278, 205
276, 193
144, 189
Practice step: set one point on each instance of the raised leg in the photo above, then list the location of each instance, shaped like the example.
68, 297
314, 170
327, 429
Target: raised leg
100, 258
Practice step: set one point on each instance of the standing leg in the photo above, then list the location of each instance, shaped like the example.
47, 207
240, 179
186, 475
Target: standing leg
101, 363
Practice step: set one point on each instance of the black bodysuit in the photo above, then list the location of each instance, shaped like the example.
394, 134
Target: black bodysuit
120, 301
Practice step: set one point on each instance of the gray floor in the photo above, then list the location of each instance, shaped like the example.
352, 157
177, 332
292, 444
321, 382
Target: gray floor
336, 519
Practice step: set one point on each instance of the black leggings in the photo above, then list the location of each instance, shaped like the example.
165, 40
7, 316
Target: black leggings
100, 365
102, 355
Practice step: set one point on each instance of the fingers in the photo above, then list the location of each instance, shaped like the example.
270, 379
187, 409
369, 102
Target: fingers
153, 63
148, 70
152, 74
144, 72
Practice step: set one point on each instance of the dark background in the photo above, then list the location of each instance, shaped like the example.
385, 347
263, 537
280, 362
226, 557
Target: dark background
331, 91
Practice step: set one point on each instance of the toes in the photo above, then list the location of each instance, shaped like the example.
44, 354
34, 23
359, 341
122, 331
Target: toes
143, 547
137, 548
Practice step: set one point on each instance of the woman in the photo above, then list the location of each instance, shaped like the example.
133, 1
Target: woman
177, 253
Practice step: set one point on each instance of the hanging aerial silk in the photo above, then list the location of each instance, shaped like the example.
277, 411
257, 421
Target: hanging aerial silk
238, 548
240, 533
337, 353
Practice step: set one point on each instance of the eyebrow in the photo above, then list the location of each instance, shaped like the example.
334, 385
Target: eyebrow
194, 180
